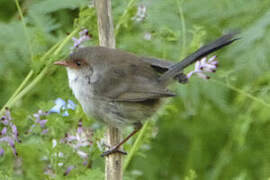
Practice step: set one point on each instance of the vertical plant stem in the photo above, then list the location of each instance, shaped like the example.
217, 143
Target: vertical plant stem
136, 145
113, 164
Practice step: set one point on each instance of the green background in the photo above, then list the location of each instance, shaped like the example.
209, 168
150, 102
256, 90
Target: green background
214, 129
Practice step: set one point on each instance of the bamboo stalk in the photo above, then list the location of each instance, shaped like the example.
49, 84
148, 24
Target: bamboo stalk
113, 164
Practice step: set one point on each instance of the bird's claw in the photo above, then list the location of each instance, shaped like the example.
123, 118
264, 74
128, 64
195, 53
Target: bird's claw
181, 78
113, 150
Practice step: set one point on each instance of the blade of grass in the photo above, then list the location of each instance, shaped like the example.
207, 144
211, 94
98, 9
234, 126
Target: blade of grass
183, 27
23, 89
25, 29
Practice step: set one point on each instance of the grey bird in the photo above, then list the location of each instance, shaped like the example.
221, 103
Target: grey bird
120, 88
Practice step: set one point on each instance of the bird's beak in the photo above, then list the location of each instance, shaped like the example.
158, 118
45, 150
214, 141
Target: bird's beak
61, 63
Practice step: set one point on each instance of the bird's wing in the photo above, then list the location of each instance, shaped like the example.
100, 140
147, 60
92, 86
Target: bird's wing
133, 82
159, 65
142, 95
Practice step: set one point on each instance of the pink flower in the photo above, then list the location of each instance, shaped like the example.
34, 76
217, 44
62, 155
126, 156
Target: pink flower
84, 36
203, 66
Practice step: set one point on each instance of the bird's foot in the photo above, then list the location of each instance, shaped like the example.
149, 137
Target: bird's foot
113, 150
181, 78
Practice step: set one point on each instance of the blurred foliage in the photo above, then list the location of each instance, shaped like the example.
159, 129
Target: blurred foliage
216, 129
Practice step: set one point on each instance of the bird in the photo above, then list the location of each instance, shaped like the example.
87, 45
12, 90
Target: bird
122, 89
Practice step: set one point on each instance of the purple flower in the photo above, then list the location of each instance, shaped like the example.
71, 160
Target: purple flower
5, 122
81, 140
84, 36
14, 129
9, 133
203, 66
70, 138
80, 129
141, 13
78, 139
6, 118
11, 143
2, 152
39, 114
4, 131
8, 115
85, 163
40, 121
148, 36
44, 131
68, 170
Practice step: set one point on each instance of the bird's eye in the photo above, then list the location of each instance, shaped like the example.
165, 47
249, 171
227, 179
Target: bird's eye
78, 63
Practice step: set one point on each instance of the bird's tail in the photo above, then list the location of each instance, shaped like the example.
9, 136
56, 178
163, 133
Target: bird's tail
200, 53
